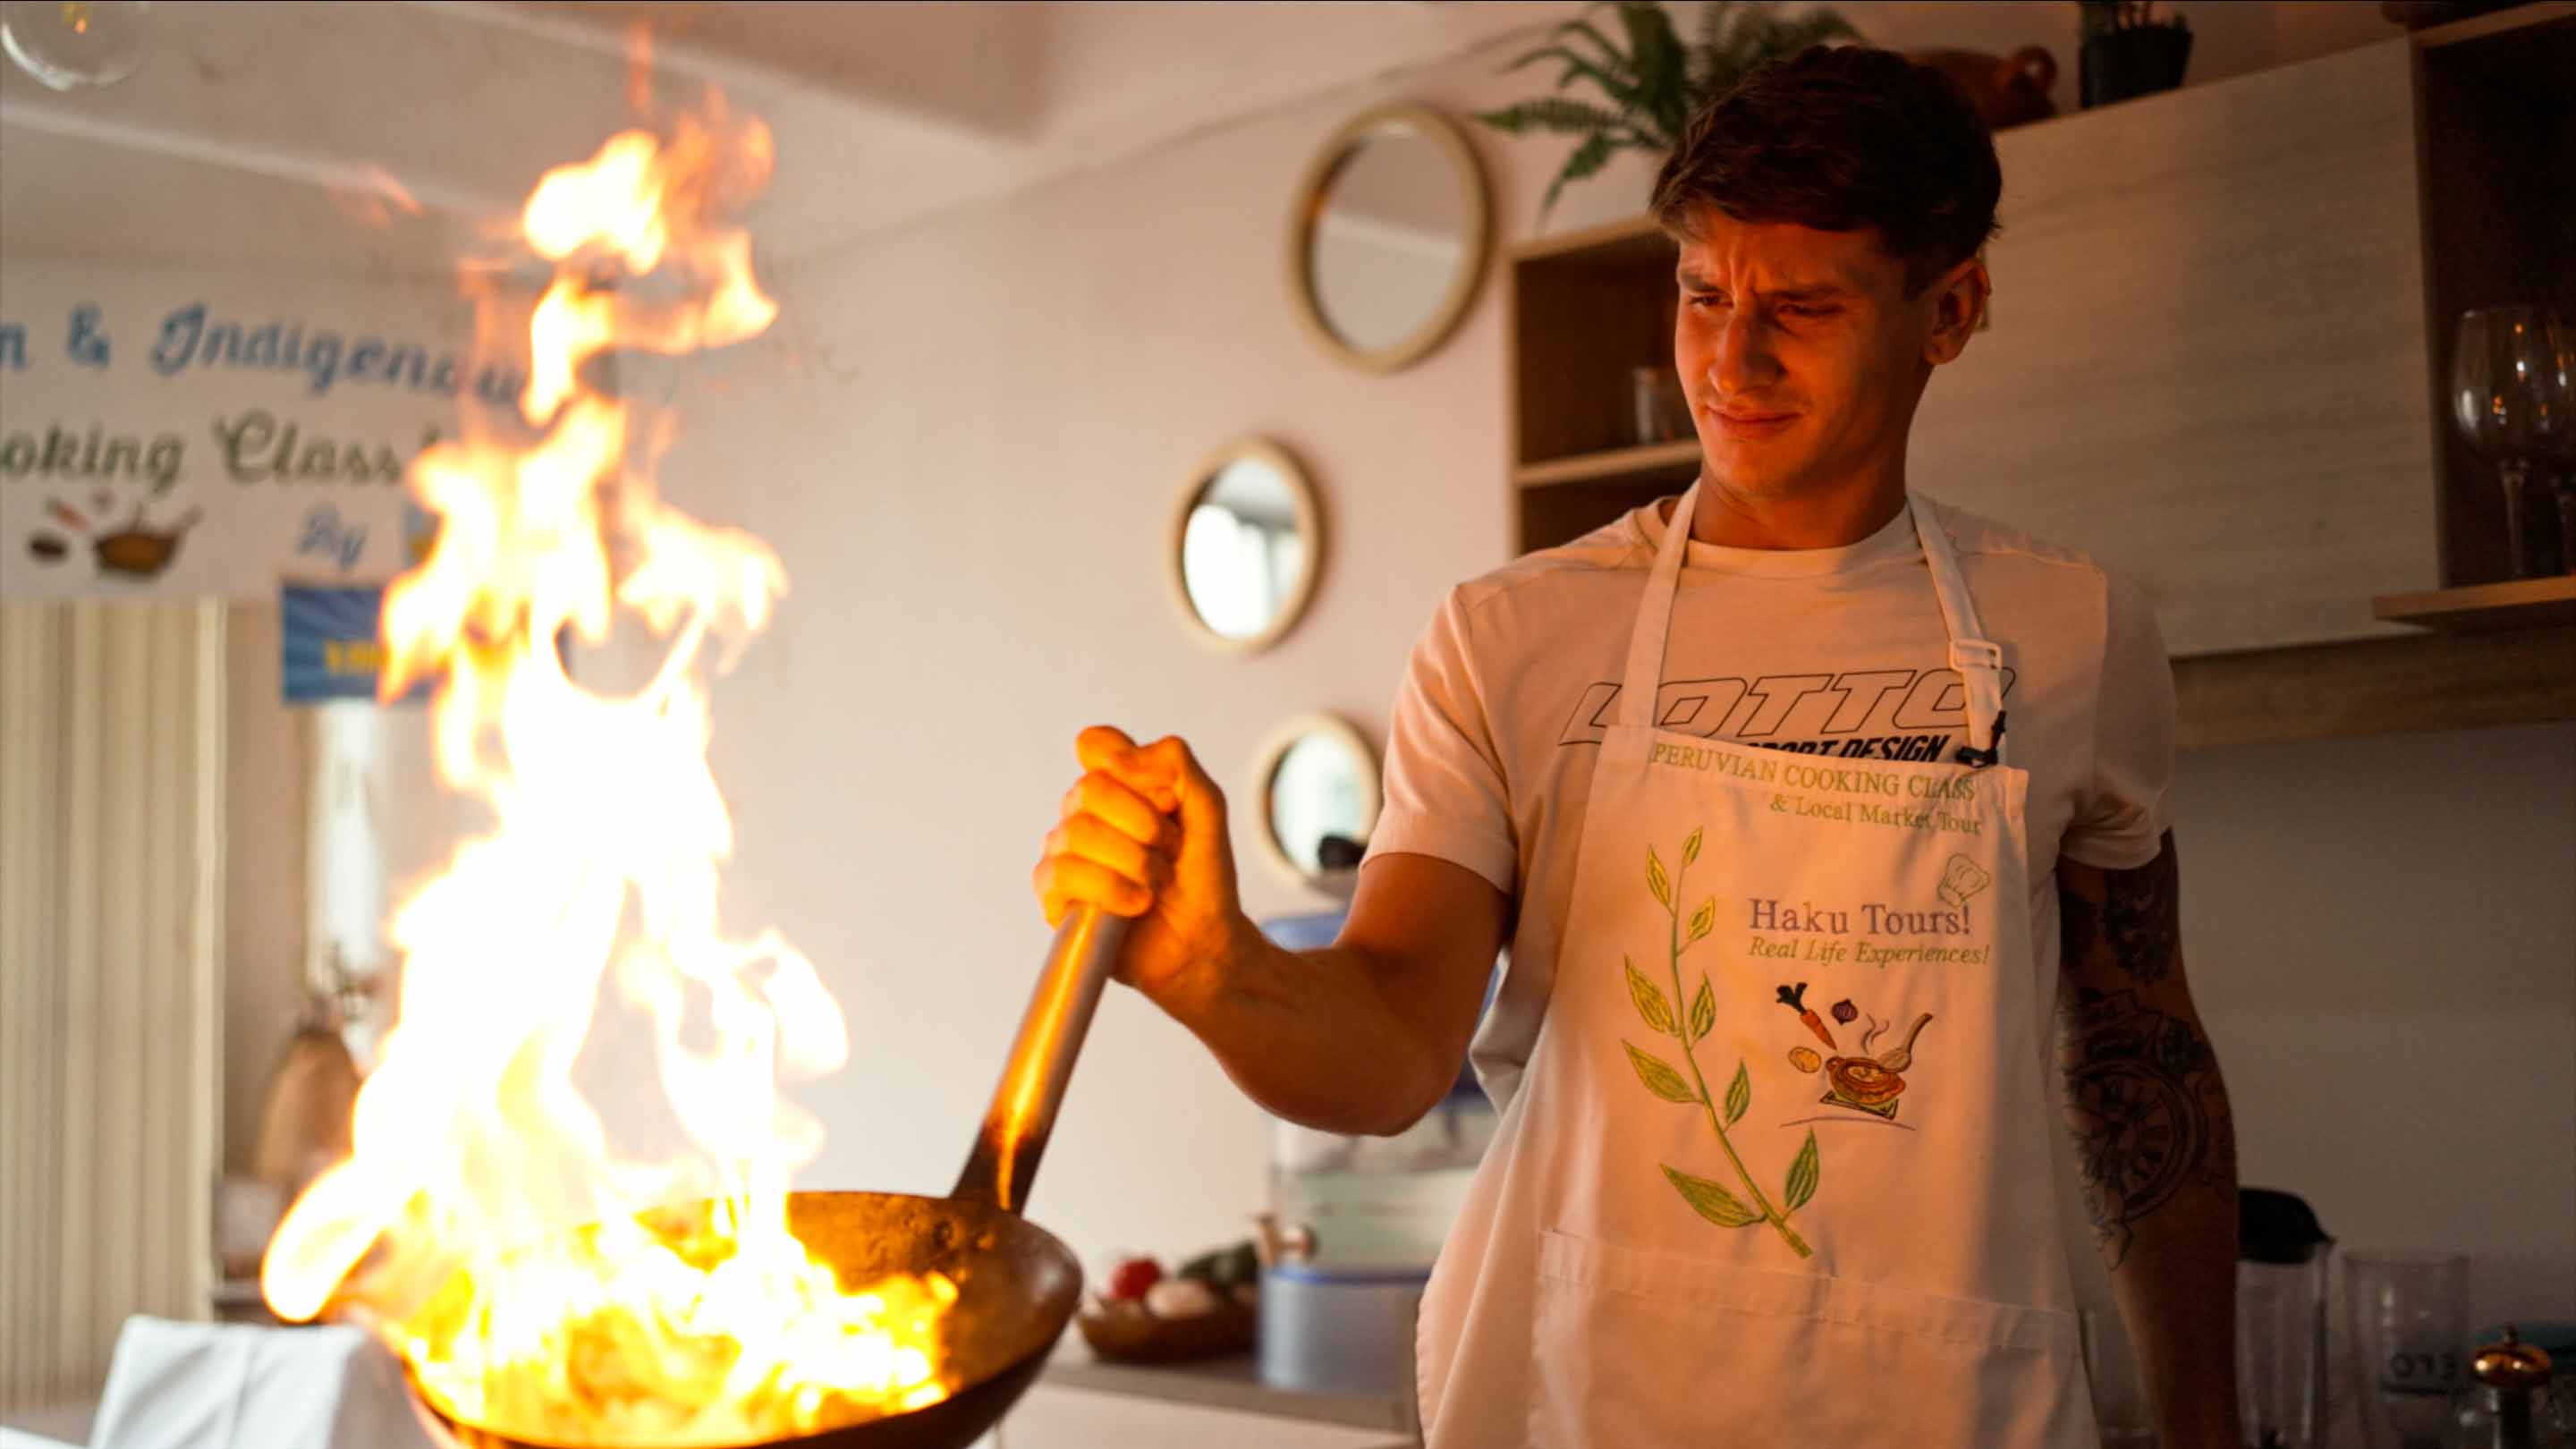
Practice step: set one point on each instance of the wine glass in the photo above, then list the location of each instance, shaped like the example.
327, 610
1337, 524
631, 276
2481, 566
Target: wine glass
2513, 398
2560, 444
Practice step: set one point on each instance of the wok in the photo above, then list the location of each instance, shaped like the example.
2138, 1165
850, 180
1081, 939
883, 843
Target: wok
1017, 1285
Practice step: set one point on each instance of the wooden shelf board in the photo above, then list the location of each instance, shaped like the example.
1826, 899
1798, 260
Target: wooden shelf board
1615, 463
2494, 22
2394, 685
2518, 604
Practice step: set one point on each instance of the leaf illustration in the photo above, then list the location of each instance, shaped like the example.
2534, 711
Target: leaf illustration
1656, 880
1702, 920
1711, 1201
1703, 1011
1802, 1176
1659, 1078
1690, 847
1650, 1002
1739, 1095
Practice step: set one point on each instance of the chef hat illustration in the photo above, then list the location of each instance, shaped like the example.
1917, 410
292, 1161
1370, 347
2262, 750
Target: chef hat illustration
1962, 879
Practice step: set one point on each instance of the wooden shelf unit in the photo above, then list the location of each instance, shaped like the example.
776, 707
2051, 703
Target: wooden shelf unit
1586, 310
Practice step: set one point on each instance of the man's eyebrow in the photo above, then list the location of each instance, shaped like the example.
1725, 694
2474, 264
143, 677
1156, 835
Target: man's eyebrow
1809, 292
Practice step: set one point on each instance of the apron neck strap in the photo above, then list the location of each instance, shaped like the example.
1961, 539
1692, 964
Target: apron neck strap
1645, 672
1978, 660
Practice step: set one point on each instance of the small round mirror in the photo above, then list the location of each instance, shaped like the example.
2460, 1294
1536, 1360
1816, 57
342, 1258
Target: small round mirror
1389, 237
1316, 781
1245, 546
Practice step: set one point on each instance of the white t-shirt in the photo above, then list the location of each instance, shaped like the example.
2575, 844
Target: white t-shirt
1836, 651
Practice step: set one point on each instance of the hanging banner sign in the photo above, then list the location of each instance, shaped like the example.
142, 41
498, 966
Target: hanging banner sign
177, 433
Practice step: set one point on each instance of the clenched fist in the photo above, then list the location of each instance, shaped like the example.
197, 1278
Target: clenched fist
1143, 835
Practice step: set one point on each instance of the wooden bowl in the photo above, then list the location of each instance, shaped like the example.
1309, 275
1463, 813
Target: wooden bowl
1125, 1333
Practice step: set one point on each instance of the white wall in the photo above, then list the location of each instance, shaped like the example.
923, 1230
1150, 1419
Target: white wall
965, 438
2382, 934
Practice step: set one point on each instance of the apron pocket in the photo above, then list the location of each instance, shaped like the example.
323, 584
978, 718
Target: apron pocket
1633, 1347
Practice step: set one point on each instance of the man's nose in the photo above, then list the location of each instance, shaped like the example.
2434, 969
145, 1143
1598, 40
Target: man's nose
1742, 361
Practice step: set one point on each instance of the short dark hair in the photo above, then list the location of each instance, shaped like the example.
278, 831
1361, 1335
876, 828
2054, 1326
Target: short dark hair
1838, 138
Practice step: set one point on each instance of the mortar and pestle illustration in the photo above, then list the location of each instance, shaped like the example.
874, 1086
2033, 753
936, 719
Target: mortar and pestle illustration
139, 551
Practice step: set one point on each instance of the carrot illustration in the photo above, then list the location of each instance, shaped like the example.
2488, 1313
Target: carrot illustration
1797, 1001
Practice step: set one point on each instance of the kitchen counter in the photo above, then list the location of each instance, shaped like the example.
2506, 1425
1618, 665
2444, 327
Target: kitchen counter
1231, 1382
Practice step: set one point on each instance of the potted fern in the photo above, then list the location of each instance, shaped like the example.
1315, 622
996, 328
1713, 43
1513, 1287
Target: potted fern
1652, 86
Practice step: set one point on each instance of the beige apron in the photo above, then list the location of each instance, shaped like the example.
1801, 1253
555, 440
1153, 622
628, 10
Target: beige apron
1778, 1173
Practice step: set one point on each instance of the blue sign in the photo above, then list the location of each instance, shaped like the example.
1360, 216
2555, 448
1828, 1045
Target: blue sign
331, 649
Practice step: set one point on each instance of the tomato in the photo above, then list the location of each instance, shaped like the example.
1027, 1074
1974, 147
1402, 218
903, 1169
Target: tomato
1131, 1278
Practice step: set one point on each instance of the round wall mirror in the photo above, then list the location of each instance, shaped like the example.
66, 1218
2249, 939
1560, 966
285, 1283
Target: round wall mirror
1245, 546
1389, 237
1315, 779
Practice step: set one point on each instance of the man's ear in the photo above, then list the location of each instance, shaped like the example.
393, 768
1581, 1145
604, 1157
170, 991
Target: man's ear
1958, 309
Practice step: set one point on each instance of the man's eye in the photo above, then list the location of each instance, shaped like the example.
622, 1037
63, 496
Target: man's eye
1708, 299
1808, 311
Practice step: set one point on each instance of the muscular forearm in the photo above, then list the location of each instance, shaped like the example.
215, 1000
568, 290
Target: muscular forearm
2157, 1144
2173, 1271
1323, 1038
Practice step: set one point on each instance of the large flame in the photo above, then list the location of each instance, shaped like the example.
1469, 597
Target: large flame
474, 1149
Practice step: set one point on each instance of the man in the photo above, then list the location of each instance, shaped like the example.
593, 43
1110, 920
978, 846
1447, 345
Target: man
1801, 801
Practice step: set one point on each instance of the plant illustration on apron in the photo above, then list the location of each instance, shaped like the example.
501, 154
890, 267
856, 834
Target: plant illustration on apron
1709, 1199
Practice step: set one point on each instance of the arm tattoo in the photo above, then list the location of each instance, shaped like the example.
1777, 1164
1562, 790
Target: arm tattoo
2143, 1094
2137, 919
2148, 1112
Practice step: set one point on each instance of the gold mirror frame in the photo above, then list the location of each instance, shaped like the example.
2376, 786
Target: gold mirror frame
1338, 149
1310, 526
1265, 767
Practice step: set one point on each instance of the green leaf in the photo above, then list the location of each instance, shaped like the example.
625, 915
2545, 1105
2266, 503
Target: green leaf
1613, 59
1551, 113
1659, 1078
1690, 847
1656, 880
1612, 85
1702, 920
1802, 1176
1588, 158
1711, 1201
1656, 59
1703, 1011
1650, 1001
1739, 1096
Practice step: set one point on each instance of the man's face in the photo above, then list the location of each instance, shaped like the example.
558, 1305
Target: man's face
1801, 355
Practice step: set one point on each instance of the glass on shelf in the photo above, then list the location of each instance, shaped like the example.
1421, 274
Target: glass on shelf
2513, 400
1657, 412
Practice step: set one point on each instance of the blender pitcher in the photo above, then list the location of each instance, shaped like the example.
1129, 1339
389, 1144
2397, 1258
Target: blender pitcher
2281, 1255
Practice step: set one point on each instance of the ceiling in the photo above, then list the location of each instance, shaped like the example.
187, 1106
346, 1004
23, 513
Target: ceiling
261, 134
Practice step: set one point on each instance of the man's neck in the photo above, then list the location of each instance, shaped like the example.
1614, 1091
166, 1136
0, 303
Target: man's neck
1835, 519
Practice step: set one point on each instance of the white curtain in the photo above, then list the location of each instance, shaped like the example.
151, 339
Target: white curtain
111, 901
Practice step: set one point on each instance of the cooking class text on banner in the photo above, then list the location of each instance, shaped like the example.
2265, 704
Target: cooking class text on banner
185, 433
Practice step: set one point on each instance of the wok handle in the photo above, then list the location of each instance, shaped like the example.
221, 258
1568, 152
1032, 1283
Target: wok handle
1005, 1160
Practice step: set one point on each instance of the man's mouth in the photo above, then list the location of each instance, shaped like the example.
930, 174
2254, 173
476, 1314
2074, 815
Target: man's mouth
1749, 424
